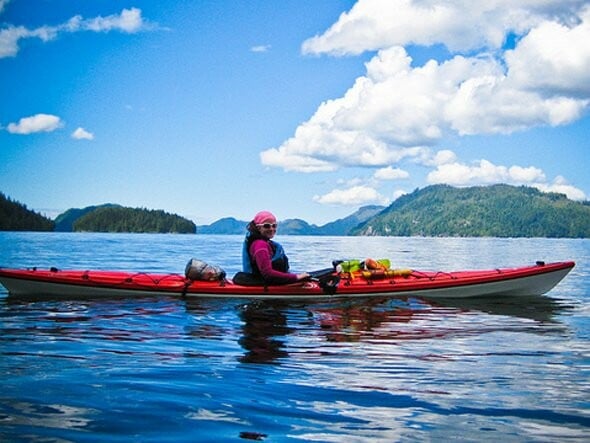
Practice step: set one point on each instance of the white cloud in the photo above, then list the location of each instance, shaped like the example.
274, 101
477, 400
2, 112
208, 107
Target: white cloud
493, 104
397, 110
355, 195
82, 134
427, 157
128, 21
383, 118
380, 120
260, 48
561, 186
9, 38
461, 26
554, 58
443, 157
294, 161
390, 173
484, 172
35, 123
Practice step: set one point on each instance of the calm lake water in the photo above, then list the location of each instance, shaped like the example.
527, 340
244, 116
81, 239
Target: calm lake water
167, 369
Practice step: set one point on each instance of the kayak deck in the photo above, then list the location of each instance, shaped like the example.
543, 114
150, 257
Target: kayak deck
527, 280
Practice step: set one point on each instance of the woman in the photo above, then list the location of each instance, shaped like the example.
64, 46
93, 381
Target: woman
264, 258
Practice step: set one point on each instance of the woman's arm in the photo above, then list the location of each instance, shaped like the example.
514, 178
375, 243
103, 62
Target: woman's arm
261, 253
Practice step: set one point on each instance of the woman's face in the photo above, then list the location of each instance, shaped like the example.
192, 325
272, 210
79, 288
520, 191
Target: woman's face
268, 228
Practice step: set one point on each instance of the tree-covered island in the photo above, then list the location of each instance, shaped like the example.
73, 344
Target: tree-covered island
121, 219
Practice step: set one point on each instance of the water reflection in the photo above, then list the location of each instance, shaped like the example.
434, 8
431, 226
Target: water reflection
539, 308
48, 415
355, 321
272, 329
265, 325
397, 319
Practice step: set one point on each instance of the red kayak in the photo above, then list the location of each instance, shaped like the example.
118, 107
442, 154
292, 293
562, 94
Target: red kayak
522, 281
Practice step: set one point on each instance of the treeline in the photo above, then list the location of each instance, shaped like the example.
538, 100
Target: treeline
121, 219
487, 211
15, 216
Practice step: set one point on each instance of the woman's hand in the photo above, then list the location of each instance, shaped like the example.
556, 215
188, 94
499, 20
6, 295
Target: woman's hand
303, 276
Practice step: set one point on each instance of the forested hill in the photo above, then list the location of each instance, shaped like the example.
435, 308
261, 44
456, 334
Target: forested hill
65, 221
490, 211
15, 216
122, 219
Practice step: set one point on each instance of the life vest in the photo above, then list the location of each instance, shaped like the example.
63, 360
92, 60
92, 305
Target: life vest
280, 261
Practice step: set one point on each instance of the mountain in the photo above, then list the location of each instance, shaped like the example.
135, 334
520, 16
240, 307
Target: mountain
345, 225
228, 225
487, 211
296, 226
64, 222
14, 216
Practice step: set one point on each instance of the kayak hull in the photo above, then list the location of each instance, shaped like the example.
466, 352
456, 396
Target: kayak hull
523, 281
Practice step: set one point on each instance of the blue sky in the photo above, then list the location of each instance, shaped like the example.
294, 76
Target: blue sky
307, 108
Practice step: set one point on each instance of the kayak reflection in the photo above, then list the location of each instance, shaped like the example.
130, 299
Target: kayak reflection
539, 308
418, 319
265, 325
271, 329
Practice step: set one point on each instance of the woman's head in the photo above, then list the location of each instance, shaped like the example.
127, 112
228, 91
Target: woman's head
264, 223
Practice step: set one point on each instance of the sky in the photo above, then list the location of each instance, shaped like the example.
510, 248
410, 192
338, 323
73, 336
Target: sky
310, 109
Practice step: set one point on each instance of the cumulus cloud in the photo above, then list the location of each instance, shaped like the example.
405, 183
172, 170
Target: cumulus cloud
399, 111
381, 119
82, 134
355, 195
461, 26
460, 174
390, 173
485, 172
554, 59
35, 123
395, 105
128, 21
428, 157
561, 186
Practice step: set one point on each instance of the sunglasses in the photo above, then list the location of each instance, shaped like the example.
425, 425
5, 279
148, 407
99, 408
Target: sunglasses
268, 225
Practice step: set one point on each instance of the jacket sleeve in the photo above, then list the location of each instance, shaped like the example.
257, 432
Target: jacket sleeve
261, 253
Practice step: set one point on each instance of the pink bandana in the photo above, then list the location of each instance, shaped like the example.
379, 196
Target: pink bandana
264, 216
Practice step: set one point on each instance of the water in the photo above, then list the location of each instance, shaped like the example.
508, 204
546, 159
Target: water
166, 369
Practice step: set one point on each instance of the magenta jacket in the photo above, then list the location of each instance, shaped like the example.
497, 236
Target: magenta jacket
261, 253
